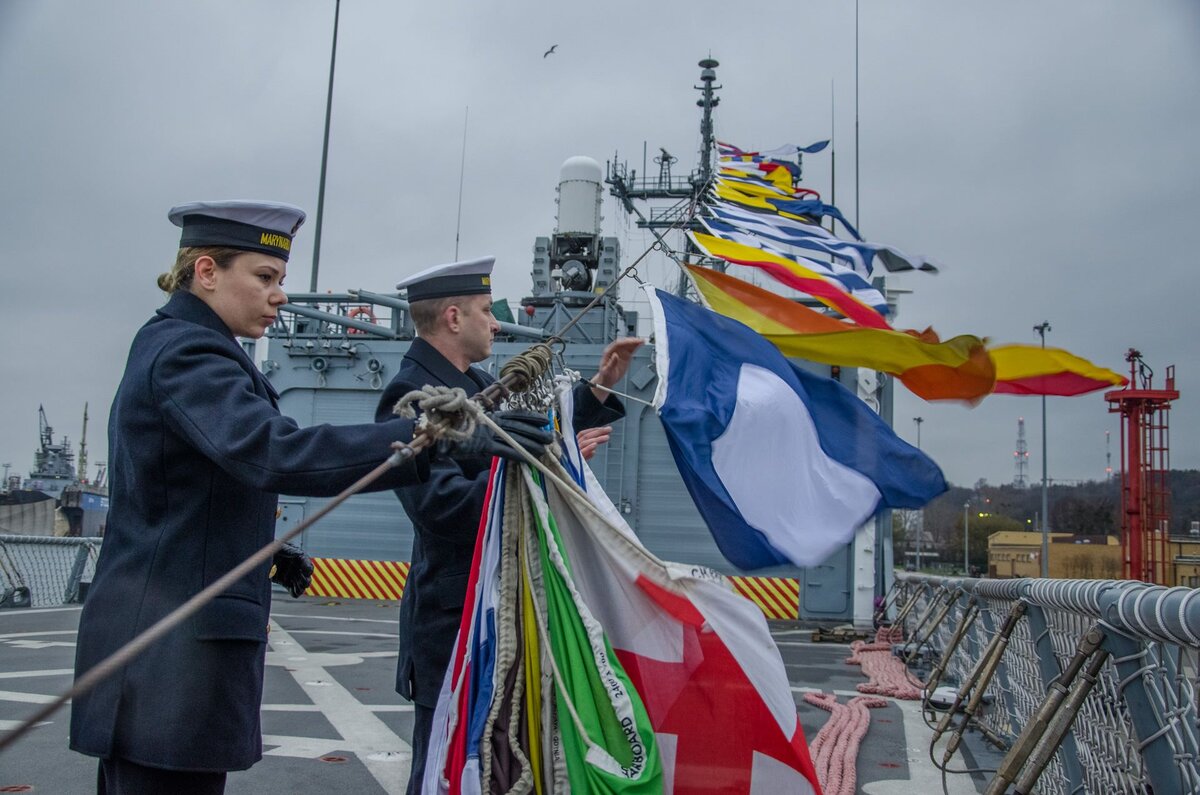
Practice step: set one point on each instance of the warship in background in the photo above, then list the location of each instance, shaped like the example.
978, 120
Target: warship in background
330, 354
57, 498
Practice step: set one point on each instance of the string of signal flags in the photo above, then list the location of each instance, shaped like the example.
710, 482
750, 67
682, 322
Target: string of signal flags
756, 216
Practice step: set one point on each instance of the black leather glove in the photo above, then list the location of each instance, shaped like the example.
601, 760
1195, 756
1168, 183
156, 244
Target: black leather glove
293, 569
525, 427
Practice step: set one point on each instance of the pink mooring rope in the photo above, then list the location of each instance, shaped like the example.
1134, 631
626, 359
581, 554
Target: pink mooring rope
887, 674
889, 635
835, 748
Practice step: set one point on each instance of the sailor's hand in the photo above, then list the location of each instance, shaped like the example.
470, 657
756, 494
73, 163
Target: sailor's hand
293, 569
614, 363
592, 438
527, 428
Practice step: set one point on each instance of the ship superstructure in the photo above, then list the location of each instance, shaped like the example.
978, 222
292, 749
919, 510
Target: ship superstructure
330, 355
56, 498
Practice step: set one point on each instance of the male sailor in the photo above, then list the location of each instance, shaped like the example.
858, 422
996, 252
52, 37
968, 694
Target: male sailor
451, 308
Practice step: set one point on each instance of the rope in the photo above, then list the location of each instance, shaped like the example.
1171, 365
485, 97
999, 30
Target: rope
576, 376
525, 368
572, 491
444, 411
835, 748
887, 674
892, 634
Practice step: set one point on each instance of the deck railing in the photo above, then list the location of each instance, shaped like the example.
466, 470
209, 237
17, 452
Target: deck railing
45, 571
1088, 685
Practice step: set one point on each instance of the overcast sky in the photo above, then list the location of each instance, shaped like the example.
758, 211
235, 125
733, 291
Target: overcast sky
1044, 152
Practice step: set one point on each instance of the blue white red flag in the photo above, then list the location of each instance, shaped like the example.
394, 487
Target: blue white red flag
783, 465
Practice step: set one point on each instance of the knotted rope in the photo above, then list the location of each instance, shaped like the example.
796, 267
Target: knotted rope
446, 412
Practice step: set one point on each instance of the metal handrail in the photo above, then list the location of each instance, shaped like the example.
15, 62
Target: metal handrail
1098, 686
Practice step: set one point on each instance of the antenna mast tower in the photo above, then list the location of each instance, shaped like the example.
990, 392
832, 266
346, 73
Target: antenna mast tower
1107, 456
626, 186
1021, 454
1145, 465
83, 448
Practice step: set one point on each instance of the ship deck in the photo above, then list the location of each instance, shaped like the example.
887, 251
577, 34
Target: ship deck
332, 721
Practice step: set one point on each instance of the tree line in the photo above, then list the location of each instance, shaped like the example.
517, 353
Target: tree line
1088, 508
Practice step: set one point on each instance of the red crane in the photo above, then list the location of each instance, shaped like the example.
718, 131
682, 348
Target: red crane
1145, 466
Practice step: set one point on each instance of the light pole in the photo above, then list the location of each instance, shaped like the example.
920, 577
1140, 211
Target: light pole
1041, 329
966, 538
921, 515
316, 263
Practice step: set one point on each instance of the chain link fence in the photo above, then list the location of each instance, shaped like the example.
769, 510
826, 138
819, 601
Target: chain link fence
1088, 685
45, 571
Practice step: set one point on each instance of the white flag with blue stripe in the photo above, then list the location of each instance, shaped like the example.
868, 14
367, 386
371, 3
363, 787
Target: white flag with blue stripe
783, 465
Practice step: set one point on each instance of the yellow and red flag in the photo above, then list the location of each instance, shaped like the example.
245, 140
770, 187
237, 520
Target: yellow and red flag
958, 369
1032, 370
961, 368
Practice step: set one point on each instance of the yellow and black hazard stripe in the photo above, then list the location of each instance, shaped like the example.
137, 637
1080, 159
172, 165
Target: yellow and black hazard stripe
777, 597
358, 579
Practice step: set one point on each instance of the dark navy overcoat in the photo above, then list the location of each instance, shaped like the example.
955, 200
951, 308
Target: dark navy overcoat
198, 452
445, 515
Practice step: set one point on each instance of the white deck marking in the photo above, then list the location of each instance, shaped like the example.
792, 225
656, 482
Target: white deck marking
26, 674
338, 632
295, 656
303, 747
8, 635
38, 611
25, 698
7, 725
385, 755
39, 644
337, 618
839, 693
315, 708
924, 777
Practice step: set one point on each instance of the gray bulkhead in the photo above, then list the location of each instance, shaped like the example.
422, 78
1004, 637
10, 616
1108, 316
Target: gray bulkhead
326, 372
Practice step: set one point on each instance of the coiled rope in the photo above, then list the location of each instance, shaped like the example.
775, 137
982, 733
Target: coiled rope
886, 672
835, 748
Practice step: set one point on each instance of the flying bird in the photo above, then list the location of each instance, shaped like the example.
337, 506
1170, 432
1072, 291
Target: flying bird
553, 47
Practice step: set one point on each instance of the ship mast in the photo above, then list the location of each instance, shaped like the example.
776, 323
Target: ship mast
687, 191
708, 100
